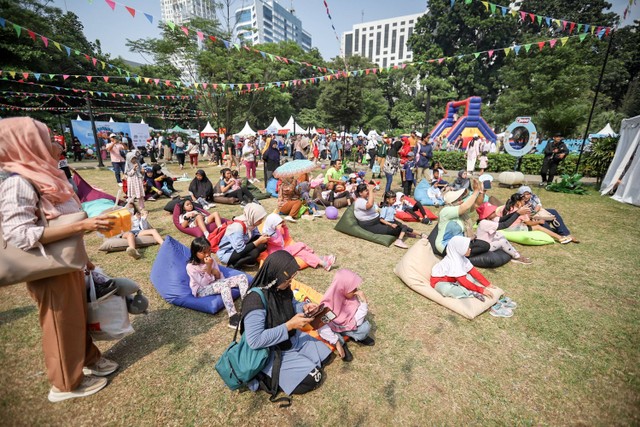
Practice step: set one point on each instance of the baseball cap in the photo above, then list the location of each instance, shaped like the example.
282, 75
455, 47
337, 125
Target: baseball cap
113, 135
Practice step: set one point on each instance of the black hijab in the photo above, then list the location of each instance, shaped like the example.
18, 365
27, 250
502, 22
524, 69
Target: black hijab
201, 187
272, 153
461, 182
279, 267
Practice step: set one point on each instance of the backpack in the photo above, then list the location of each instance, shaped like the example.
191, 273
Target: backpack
216, 235
239, 363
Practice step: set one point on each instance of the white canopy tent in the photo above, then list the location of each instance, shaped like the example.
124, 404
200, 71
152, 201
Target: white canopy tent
111, 120
605, 131
314, 130
275, 126
625, 165
294, 127
361, 133
142, 122
246, 130
208, 130
79, 118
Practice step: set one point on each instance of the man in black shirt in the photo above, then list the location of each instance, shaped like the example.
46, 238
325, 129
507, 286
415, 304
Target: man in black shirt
554, 153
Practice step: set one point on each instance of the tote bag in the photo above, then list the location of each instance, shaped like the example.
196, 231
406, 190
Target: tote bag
53, 259
107, 318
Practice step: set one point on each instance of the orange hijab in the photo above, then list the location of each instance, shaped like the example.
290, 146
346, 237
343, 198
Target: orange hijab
26, 149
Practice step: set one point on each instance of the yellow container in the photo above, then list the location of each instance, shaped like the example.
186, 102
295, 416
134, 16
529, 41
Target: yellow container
121, 220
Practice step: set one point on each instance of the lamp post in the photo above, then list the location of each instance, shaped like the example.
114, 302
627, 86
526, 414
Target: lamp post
427, 110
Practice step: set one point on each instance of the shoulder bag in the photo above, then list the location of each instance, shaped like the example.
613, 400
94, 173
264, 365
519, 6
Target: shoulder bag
239, 363
52, 259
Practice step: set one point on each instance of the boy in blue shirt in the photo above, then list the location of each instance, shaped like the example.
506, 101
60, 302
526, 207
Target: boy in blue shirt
408, 173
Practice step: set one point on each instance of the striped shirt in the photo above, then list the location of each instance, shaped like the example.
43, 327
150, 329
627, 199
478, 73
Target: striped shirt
20, 221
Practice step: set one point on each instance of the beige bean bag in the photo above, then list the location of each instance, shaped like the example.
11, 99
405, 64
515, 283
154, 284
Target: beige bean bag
118, 244
414, 269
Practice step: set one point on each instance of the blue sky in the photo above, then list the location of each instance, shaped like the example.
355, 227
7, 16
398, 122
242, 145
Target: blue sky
113, 28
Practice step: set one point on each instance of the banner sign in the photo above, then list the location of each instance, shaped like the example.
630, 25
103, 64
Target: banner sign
138, 132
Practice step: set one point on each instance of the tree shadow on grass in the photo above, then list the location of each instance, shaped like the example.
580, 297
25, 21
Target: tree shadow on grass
15, 314
173, 327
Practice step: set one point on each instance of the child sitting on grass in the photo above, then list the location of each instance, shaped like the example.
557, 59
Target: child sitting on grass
388, 217
205, 278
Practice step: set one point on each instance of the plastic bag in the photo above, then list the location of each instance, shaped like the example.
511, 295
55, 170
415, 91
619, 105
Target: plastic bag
107, 318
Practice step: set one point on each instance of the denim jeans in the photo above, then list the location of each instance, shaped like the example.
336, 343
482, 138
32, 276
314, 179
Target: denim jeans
118, 169
389, 178
556, 225
358, 334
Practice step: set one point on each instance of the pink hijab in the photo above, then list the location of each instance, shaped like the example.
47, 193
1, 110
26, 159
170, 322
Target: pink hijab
344, 282
26, 149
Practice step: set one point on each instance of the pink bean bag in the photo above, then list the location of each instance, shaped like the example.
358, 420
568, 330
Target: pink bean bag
192, 231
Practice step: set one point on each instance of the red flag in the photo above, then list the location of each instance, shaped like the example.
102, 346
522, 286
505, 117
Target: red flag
106, 78
131, 10
111, 4
540, 45
571, 27
25, 75
32, 35
533, 17
45, 41
89, 77
212, 38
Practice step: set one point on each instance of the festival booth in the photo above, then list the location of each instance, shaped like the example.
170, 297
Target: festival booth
625, 166
138, 132
246, 130
294, 127
467, 124
208, 131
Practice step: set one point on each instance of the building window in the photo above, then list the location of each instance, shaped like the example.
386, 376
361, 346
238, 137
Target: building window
402, 22
384, 63
364, 44
267, 24
378, 40
243, 16
370, 28
370, 50
348, 45
379, 26
356, 39
393, 41
401, 48
386, 36
411, 22
267, 13
395, 24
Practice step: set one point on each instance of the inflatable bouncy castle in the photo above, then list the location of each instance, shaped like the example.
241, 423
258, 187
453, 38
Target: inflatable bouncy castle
467, 124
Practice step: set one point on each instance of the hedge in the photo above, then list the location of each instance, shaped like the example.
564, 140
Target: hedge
499, 162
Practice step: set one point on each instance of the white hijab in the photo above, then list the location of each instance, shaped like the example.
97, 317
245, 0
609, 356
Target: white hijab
455, 264
270, 223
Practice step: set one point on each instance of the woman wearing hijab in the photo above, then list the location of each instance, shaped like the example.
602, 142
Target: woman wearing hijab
201, 187
249, 158
271, 159
555, 224
456, 277
26, 151
349, 304
296, 358
278, 233
462, 181
163, 179
241, 243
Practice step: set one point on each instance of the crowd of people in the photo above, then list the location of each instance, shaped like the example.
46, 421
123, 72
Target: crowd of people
32, 180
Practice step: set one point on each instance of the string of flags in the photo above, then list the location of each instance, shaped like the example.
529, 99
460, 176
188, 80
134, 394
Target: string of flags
201, 36
560, 24
627, 8
26, 95
326, 6
103, 111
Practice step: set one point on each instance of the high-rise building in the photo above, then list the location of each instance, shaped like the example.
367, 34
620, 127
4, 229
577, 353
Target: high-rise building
266, 21
182, 11
384, 42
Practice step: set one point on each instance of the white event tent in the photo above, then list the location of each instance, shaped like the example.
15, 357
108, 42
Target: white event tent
294, 127
275, 126
208, 130
625, 165
246, 130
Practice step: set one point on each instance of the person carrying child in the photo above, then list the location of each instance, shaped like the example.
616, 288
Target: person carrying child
205, 278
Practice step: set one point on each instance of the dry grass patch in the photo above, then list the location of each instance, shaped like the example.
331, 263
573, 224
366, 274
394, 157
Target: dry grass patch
568, 356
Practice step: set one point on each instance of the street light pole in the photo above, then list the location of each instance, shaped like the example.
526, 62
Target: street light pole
95, 132
427, 112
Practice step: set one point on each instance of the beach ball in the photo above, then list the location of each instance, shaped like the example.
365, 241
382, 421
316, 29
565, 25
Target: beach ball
323, 166
90, 152
331, 212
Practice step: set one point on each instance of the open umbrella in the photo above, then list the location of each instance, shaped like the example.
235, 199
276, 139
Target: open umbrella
294, 168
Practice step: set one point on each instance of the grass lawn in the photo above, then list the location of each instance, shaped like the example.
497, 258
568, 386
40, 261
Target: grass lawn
570, 354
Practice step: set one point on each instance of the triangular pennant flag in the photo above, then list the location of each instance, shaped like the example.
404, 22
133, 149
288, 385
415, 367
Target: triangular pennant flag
12, 74
131, 10
149, 17
185, 30
226, 44
548, 21
586, 28
111, 4
65, 76
476, 54
516, 49
490, 53
137, 79
146, 79
571, 27
237, 46
57, 45
564, 25
504, 10
552, 42
32, 35
76, 52
527, 47
68, 49
51, 76
607, 31
523, 15
167, 82
127, 79
486, 4
564, 40
539, 19
3, 23
493, 7
540, 45
558, 22
579, 27
18, 29
533, 17
103, 64
89, 77
204, 85
200, 35
156, 81
106, 78
514, 13
212, 38
171, 25
506, 51
582, 37
440, 60
223, 86
26, 76
36, 75
468, 1
94, 61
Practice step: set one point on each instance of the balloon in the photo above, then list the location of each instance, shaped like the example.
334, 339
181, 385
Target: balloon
331, 212
90, 152
323, 166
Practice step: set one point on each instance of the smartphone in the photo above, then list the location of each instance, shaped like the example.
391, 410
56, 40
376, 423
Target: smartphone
315, 312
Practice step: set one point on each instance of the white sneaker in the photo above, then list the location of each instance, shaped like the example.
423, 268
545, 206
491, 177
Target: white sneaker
119, 184
101, 368
399, 243
318, 214
88, 386
289, 218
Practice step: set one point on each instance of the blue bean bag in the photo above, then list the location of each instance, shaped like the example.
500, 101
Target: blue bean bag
169, 277
272, 186
420, 194
96, 207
